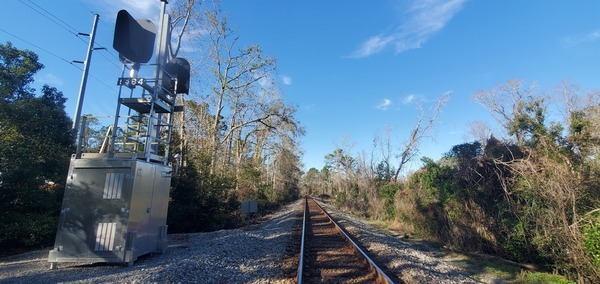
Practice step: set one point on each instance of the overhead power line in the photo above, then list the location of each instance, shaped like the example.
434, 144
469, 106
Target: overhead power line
65, 60
53, 16
112, 59
86, 7
109, 59
48, 15
40, 48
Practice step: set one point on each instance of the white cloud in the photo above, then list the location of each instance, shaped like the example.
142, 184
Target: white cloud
139, 9
409, 99
50, 80
422, 20
188, 43
373, 45
385, 104
572, 41
419, 99
287, 80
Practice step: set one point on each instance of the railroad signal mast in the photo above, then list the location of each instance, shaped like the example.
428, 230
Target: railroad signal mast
116, 199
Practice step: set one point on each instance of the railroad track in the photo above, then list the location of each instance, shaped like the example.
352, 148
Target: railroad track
329, 255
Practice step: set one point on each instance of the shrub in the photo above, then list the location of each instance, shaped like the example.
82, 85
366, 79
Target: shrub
591, 232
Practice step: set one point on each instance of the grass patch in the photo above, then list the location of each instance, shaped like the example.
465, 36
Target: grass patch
379, 224
484, 268
541, 278
491, 269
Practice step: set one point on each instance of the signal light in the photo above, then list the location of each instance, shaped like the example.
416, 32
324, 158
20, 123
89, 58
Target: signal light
177, 70
134, 39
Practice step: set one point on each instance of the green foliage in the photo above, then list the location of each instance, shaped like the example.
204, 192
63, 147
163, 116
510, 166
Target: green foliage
35, 148
541, 278
383, 173
311, 182
466, 152
286, 184
591, 232
339, 161
22, 231
252, 186
199, 200
460, 201
436, 182
520, 200
429, 190
17, 68
341, 199
203, 201
528, 122
249, 183
515, 244
387, 192
583, 132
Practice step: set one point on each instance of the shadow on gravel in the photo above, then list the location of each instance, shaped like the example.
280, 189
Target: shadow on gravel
39, 272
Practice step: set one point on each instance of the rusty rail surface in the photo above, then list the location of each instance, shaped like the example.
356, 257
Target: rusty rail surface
328, 254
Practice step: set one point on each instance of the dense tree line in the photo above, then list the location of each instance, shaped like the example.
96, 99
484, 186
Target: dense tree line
35, 148
528, 193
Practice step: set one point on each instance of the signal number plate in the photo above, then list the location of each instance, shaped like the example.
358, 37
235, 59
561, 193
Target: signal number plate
130, 82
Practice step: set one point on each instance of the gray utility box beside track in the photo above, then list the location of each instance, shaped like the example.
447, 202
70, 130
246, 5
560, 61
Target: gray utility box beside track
114, 210
117, 193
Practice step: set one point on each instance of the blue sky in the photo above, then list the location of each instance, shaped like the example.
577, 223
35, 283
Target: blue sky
352, 68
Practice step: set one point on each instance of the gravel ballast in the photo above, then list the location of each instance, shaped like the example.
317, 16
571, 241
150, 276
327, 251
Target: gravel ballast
253, 254
248, 255
405, 261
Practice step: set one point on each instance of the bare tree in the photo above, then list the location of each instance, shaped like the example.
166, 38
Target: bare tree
571, 99
385, 150
238, 111
513, 105
424, 125
479, 130
181, 13
238, 74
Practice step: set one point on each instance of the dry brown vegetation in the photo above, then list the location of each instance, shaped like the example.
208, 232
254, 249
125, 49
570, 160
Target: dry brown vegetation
530, 196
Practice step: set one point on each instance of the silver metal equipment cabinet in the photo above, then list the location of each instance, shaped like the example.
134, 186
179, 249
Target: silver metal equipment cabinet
117, 193
114, 210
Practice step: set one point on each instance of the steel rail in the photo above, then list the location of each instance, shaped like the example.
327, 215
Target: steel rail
301, 261
381, 276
